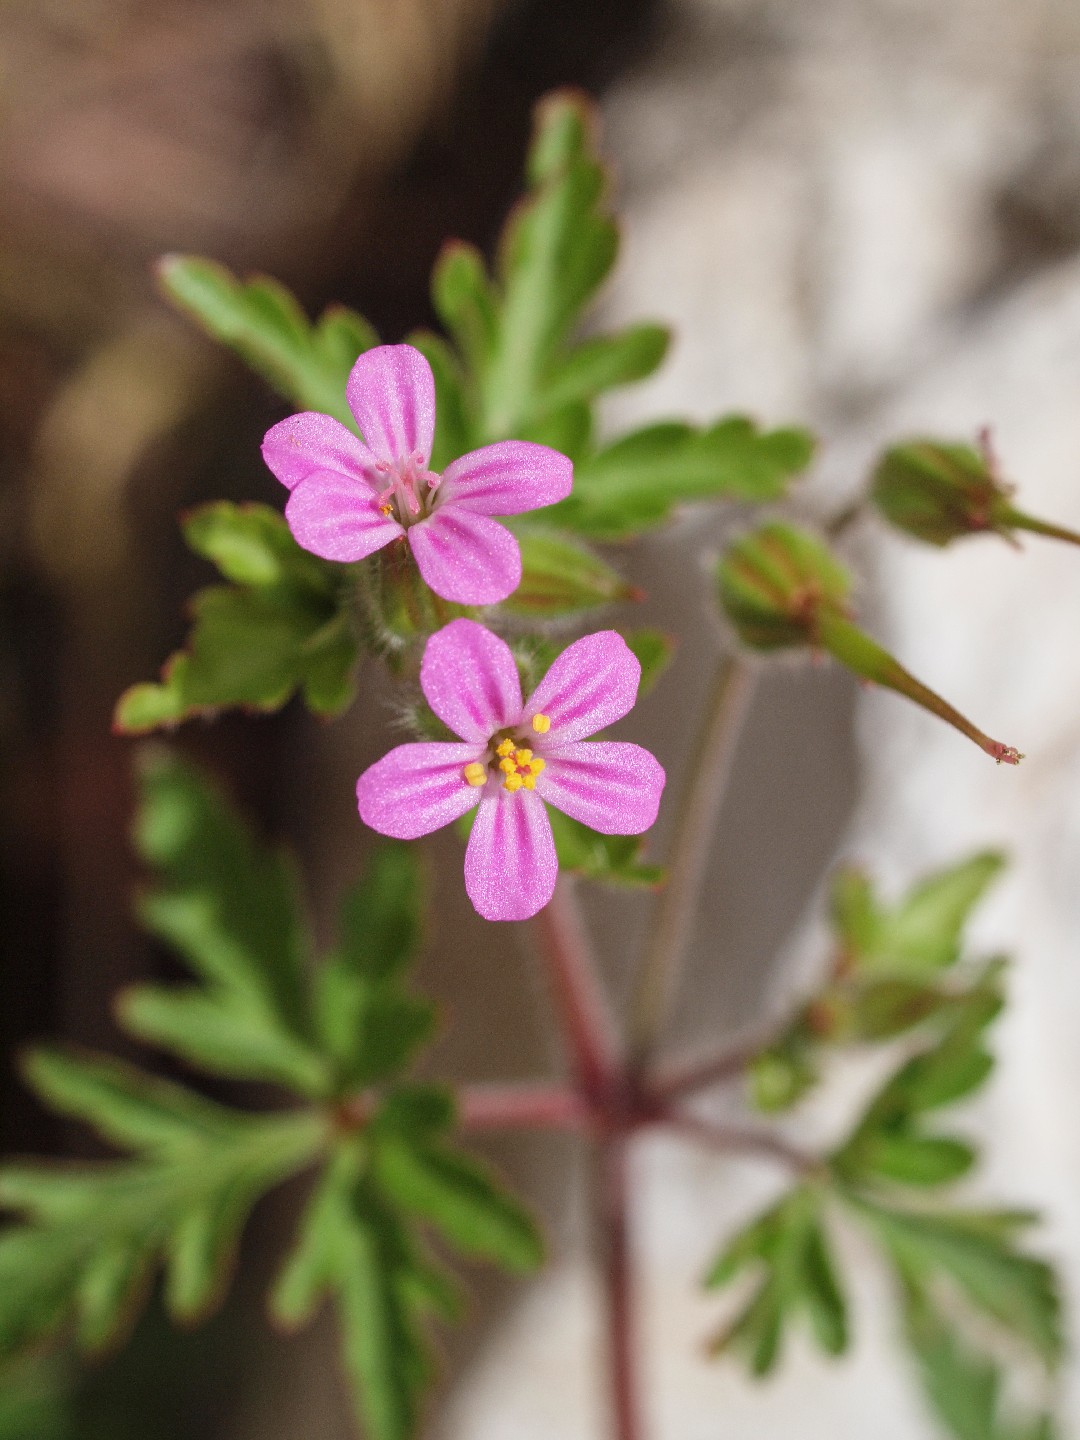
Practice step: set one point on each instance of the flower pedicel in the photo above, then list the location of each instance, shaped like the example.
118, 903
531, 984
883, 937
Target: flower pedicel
514, 756
350, 497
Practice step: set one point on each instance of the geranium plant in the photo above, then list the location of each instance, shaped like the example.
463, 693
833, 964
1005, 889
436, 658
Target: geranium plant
397, 463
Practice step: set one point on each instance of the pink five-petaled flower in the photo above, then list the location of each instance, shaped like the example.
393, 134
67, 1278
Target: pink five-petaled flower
351, 497
514, 756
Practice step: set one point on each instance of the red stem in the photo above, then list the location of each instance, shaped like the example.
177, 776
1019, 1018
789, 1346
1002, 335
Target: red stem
521, 1107
585, 1019
613, 1241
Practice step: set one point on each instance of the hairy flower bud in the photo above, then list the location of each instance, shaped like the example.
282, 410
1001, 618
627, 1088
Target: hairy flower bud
783, 589
939, 493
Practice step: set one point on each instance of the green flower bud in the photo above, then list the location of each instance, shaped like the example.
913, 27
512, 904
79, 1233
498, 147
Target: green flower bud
939, 493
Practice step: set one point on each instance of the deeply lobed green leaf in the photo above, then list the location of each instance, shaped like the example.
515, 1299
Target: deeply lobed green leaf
261, 320
284, 625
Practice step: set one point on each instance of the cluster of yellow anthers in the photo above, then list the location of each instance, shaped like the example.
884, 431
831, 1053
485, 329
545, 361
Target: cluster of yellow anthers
516, 762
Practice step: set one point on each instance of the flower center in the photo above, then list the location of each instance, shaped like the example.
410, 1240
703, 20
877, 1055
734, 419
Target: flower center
510, 760
410, 488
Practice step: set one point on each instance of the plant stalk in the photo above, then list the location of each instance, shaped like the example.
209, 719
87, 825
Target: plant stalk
613, 1243
584, 1016
699, 805
522, 1107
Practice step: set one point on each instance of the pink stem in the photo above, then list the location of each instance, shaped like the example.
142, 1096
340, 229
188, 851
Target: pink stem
521, 1107
613, 1241
584, 1017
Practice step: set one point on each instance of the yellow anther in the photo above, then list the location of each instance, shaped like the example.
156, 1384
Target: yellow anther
541, 724
512, 782
522, 756
529, 781
386, 510
537, 765
504, 748
475, 773
507, 765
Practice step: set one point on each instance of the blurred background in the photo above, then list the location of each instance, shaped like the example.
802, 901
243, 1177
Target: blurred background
859, 214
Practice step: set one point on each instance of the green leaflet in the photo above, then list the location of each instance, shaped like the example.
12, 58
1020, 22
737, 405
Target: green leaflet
358, 1247
636, 482
789, 1251
921, 934
963, 1385
283, 625
975, 1252
897, 970
518, 371
352, 1247
259, 319
368, 1021
96, 1233
230, 907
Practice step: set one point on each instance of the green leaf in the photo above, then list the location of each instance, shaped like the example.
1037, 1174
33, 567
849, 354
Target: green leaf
636, 482
562, 577
369, 1023
915, 1159
923, 933
352, 1247
229, 906
655, 650
788, 1248
284, 625
976, 1252
612, 859
461, 1198
605, 362
555, 250
466, 302
259, 319
94, 1233
963, 1385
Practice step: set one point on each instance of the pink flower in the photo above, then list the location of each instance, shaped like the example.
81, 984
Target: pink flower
351, 497
512, 757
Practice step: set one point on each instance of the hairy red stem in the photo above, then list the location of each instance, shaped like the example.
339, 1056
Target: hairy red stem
585, 1019
613, 1242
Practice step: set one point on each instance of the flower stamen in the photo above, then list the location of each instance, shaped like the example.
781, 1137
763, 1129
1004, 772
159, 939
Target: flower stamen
541, 724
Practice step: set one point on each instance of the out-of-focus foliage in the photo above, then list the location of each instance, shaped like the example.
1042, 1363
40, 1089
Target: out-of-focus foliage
339, 1036
900, 977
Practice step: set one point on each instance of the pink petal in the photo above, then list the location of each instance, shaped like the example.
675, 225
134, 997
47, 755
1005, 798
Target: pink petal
608, 785
469, 559
391, 392
416, 789
469, 679
303, 443
592, 684
338, 518
510, 865
507, 478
